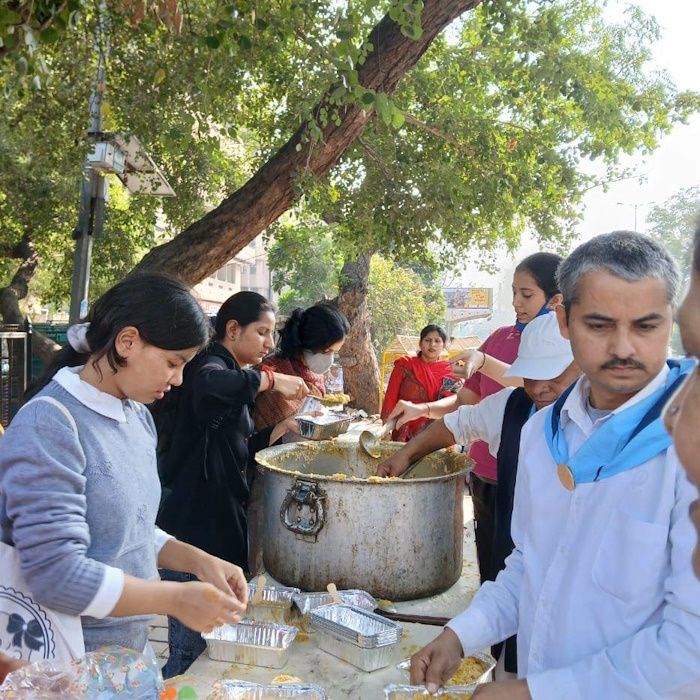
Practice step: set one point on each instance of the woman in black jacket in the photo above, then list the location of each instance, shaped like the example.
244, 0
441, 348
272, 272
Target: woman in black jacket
206, 467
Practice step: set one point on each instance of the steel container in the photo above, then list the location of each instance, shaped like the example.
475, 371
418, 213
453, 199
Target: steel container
416, 692
252, 643
241, 690
275, 606
307, 602
324, 427
327, 518
487, 662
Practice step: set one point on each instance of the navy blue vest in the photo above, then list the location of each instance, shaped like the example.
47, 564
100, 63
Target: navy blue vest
517, 412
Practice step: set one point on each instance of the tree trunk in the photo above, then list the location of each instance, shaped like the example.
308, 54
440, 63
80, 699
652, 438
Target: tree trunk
360, 370
43, 347
208, 244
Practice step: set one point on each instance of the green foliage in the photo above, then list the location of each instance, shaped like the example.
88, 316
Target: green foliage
304, 262
487, 136
400, 303
499, 118
673, 223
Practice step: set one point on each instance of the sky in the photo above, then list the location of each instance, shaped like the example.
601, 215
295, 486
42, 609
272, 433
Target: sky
673, 166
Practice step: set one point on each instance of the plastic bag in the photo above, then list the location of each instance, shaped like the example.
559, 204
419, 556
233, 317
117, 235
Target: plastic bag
112, 672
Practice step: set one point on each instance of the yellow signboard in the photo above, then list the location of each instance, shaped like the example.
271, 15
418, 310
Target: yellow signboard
468, 297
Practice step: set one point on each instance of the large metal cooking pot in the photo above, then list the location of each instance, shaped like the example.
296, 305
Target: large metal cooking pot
325, 521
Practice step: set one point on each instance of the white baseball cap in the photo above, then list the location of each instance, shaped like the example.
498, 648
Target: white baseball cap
544, 353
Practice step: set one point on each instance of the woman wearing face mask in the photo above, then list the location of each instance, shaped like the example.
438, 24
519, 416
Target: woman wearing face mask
417, 380
308, 342
206, 465
535, 292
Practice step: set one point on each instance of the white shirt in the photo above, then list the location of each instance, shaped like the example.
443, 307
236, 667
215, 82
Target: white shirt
600, 587
483, 421
112, 586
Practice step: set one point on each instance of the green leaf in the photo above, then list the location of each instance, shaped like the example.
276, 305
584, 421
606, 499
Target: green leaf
22, 65
212, 42
159, 76
368, 98
397, 118
245, 42
49, 35
9, 17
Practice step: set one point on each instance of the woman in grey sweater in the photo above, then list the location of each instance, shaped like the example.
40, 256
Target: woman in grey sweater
80, 507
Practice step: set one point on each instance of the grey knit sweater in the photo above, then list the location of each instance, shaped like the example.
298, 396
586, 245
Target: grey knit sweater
74, 505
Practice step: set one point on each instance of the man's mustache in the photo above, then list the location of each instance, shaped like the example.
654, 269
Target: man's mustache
619, 363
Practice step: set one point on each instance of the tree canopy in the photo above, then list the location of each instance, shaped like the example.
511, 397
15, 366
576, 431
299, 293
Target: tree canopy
254, 107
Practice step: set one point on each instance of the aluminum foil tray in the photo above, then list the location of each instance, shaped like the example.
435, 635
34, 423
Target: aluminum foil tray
323, 427
276, 605
366, 659
241, 690
279, 597
253, 643
488, 661
306, 602
417, 692
358, 626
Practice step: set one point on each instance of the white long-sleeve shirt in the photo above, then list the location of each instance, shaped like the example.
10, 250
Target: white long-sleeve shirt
600, 587
482, 421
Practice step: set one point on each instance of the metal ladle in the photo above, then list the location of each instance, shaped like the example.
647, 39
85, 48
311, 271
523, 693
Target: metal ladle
370, 444
370, 441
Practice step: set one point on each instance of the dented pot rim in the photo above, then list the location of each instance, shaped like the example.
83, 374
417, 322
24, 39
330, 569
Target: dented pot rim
274, 451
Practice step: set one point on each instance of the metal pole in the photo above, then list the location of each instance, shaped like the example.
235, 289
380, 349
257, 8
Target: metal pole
93, 190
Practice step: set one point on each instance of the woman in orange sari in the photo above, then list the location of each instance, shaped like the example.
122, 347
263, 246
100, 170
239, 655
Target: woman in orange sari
418, 379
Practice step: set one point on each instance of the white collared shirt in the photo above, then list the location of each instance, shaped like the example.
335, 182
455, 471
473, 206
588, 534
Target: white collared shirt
482, 421
105, 404
600, 587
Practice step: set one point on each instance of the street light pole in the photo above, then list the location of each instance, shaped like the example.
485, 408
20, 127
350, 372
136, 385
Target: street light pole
93, 193
636, 206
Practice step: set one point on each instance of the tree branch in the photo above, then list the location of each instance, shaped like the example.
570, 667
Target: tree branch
18, 289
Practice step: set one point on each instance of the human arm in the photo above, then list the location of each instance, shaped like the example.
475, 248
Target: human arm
659, 661
434, 437
467, 363
227, 577
437, 662
391, 397
8, 664
42, 471
199, 605
216, 387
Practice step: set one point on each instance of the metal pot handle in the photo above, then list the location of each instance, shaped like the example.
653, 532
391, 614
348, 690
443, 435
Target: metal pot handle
310, 512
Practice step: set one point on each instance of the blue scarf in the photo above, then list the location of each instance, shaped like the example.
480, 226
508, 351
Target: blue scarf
521, 326
626, 440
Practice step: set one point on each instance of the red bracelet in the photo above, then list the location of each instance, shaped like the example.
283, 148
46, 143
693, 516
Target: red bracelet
270, 376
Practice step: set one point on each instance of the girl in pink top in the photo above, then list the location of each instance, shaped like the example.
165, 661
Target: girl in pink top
535, 292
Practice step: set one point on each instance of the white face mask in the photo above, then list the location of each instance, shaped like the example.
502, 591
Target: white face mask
318, 362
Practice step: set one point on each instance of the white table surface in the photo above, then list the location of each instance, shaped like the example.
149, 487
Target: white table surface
340, 679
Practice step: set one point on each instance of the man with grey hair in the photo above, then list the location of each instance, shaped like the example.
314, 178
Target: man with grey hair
599, 587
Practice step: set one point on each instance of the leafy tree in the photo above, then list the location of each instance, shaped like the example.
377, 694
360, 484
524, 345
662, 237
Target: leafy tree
400, 303
486, 136
673, 223
305, 264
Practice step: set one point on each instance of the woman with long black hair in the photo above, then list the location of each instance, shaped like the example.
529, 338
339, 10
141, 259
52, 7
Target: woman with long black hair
210, 444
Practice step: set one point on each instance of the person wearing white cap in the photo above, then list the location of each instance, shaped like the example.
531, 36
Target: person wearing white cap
546, 365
